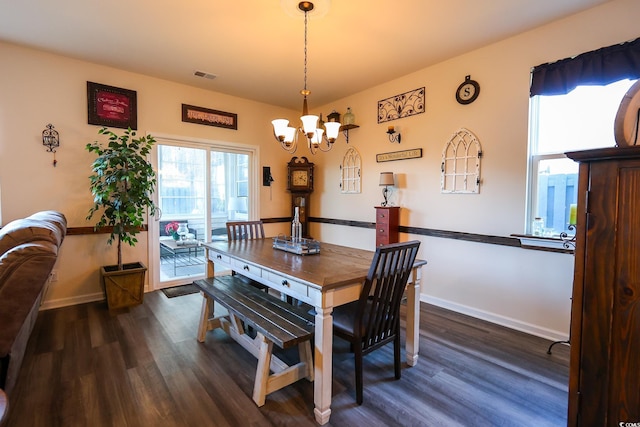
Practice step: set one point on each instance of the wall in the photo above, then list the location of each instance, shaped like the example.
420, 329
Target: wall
524, 289
38, 88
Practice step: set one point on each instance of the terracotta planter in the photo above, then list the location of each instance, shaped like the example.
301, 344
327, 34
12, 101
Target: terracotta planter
124, 288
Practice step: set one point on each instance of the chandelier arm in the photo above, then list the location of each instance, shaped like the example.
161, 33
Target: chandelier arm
328, 145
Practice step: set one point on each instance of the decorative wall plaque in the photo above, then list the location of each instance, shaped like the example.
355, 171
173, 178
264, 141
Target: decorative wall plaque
403, 105
399, 155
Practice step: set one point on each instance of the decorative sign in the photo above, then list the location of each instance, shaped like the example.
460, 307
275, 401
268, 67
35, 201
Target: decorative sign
399, 155
461, 163
206, 116
403, 105
111, 106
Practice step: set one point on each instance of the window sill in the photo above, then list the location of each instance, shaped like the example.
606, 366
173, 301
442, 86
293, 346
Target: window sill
555, 244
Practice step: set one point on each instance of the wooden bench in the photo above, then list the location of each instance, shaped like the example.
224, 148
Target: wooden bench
274, 320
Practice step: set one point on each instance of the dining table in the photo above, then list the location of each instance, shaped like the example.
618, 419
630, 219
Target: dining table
331, 277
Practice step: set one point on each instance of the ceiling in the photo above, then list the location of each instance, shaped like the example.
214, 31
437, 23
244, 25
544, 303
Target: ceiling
255, 47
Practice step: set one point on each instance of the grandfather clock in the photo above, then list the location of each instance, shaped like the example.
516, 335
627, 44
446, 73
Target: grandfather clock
300, 184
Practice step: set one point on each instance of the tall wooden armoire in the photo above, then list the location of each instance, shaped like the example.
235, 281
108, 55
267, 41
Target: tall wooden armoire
604, 375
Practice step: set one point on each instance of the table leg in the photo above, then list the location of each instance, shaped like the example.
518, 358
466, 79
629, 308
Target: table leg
413, 318
323, 364
174, 263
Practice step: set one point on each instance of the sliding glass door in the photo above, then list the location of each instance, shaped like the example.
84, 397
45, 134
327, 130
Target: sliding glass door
200, 188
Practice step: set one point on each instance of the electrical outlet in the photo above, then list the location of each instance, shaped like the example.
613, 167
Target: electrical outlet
53, 277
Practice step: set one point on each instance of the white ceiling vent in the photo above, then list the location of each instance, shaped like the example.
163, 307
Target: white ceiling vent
204, 75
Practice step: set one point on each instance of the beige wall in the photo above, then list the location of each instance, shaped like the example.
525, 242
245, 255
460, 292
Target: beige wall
38, 88
524, 289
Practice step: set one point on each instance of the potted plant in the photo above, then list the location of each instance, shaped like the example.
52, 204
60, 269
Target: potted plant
122, 184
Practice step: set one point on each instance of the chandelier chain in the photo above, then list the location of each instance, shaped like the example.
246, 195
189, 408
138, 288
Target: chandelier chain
305, 51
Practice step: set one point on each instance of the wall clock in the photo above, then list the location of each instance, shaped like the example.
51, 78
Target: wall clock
468, 91
299, 175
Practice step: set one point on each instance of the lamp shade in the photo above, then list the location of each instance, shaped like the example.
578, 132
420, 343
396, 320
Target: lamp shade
238, 204
333, 128
316, 139
279, 126
386, 178
309, 123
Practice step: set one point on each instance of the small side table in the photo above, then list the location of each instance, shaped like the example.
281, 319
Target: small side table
174, 248
387, 219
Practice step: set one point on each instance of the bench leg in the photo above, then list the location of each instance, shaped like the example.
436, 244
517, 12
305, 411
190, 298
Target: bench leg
262, 372
304, 349
265, 382
206, 313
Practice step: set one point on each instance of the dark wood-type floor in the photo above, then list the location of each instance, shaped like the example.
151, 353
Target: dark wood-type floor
143, 367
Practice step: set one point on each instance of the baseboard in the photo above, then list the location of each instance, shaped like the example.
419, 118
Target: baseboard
65, 302
496, 318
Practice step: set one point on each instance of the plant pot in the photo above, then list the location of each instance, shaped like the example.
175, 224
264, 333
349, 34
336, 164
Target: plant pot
124, 288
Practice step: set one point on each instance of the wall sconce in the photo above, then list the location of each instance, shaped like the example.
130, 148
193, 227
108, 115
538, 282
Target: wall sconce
51, 139
393, 135
386, 180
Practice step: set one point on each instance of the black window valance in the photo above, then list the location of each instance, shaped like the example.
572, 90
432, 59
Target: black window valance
598, 67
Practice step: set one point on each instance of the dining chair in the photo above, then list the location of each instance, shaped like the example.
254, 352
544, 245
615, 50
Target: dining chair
239, 230
246, 230
373, 320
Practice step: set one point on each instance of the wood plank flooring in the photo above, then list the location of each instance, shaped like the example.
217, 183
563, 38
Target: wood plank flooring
143, 367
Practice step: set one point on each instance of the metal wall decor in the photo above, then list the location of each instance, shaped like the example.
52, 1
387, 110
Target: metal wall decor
460, 166
350, 172
51, 140
403, 105
394, 135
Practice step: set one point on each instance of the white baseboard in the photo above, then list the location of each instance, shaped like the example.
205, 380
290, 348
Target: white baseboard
497, 319
65, 302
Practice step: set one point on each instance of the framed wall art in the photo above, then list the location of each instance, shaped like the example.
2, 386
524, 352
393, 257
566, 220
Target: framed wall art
209, 117
111, 106
402, 105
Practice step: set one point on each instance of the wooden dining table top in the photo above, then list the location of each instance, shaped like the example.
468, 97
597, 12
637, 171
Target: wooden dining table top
333, 267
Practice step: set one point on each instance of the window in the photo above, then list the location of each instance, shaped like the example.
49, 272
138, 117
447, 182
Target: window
579, 120
573, 106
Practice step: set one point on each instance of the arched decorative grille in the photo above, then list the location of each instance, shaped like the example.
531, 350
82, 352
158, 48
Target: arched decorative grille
461, 163
350, 172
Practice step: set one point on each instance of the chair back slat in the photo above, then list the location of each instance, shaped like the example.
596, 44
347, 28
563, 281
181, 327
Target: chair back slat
379, 305
245, 230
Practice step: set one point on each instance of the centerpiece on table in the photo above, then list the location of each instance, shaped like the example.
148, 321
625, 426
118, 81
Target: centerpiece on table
172, 230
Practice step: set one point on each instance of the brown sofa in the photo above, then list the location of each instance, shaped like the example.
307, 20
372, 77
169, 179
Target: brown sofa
28, 251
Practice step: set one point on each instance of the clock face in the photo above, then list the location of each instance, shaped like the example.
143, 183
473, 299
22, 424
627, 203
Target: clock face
300, 178
300, 175
468, 91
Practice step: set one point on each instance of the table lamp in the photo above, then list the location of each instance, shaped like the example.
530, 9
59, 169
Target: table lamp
386, 180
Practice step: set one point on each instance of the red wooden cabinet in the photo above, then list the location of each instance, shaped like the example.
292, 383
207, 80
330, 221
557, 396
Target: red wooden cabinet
387, 218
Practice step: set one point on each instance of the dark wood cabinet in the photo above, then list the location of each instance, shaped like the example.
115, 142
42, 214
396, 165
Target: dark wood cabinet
604, 375
387, 218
